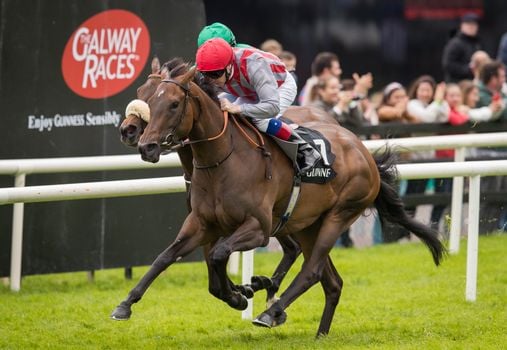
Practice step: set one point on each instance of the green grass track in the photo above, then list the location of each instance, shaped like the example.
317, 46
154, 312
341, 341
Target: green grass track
393, 298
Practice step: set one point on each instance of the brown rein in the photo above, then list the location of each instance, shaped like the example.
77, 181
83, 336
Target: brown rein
249, 139
226, 121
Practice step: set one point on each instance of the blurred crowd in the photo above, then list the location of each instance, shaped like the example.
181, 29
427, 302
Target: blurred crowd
474, 88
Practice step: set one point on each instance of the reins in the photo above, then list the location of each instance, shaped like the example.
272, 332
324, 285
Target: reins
260, 145
226, 122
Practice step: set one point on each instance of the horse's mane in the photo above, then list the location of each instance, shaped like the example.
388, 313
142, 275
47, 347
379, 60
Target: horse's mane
206, 86
173, 63
199, 79
178, 70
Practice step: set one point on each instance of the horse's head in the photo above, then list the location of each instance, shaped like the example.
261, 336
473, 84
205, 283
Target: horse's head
171, 114
131, 129
132, 126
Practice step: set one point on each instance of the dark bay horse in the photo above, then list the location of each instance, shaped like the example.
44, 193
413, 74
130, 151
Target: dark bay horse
235, 207
131, 130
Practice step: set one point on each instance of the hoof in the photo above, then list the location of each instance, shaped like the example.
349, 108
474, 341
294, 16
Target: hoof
239, 303
266, 320
121, 313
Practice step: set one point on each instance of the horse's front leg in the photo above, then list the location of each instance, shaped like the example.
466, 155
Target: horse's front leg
248, 236
214, 281
188, 239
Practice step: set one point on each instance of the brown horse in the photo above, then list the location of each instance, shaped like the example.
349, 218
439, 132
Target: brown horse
131, 130
234, 206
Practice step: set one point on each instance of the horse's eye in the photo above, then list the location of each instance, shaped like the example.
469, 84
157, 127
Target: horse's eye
174, 105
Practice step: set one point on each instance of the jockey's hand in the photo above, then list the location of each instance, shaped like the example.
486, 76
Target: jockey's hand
226, 105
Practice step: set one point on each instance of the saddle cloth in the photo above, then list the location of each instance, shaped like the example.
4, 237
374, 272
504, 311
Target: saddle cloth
322, 172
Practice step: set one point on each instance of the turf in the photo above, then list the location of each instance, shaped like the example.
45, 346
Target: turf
393, 298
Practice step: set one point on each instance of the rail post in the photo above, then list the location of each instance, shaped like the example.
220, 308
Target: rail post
17, 237
456, 205
473, 237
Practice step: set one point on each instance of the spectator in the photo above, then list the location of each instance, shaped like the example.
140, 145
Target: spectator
460, 48
290, 61
477, 61
492, 79
457, 112
325, 64
394, 104
360, 85
426, 100
272, 46
339, 104
470, 93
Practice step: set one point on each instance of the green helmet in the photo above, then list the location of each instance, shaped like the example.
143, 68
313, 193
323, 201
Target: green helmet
216, 30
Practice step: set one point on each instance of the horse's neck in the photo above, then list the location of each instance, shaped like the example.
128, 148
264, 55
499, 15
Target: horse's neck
186, 157
208, 122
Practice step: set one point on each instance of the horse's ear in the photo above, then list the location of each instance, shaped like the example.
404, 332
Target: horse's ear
155, 65
188, 76
164, 73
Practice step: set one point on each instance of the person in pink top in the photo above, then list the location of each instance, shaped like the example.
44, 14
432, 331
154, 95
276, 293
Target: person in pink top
255, 84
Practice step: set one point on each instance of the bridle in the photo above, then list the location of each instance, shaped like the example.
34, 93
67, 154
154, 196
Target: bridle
168, 139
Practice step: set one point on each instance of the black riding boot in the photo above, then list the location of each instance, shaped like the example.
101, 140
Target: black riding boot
307, 155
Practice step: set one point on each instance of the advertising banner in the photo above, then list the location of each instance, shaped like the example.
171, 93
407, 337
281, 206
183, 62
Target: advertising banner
68, 68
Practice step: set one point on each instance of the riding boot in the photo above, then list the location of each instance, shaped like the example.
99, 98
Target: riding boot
307, 156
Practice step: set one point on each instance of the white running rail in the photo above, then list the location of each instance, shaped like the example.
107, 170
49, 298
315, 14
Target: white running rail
20, 168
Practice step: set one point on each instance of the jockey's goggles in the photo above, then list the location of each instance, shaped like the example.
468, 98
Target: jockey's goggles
214, 74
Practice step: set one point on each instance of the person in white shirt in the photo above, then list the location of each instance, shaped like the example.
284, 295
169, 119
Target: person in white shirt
426, 100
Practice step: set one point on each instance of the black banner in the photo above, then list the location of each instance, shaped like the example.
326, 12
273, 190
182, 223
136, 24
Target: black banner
67, 70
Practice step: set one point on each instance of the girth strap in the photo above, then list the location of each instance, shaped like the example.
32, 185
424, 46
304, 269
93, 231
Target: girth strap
294, 196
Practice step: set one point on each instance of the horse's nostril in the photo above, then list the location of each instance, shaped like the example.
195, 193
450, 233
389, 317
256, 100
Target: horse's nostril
150, 152
129, 131
151, 147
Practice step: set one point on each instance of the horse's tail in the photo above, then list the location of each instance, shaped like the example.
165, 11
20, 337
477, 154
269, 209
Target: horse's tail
391, 208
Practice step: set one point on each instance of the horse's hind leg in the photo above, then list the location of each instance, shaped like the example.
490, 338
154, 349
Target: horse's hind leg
291, 251
332, 284
188, 239
313, 268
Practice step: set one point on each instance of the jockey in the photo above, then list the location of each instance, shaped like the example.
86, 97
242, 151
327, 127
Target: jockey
257, 85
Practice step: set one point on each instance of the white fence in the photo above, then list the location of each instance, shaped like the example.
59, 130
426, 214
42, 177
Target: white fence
20, 194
